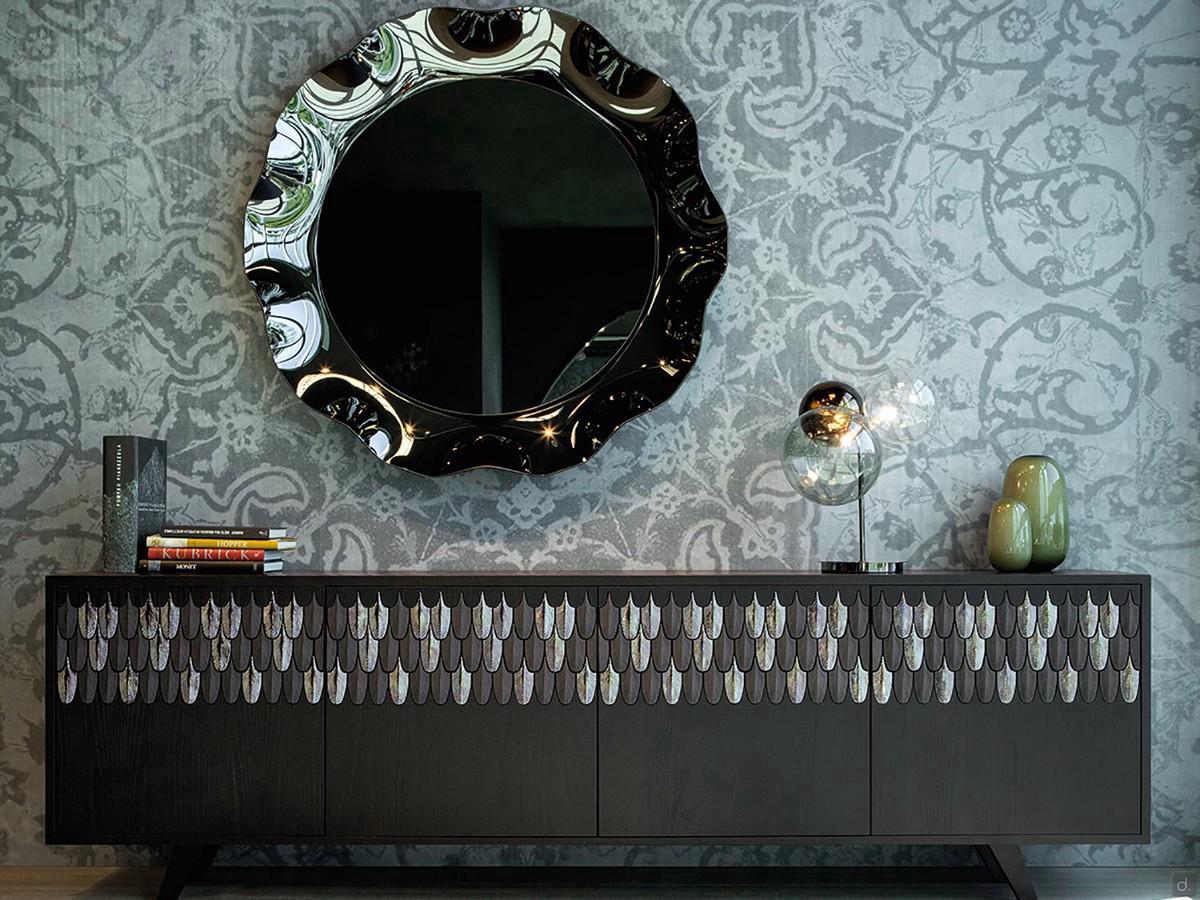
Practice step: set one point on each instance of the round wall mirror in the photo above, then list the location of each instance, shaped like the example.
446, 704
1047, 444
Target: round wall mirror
521, 248
484, 239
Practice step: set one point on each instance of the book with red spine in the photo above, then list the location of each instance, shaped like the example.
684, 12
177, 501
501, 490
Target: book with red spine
209, 553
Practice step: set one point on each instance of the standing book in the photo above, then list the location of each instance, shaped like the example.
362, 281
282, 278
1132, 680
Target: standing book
135, 498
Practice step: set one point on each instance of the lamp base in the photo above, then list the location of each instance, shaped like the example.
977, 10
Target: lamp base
842, 567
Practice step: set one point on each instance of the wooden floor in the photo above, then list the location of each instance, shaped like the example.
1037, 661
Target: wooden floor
351, 884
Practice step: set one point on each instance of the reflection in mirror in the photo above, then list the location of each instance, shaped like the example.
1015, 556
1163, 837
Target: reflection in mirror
486, 246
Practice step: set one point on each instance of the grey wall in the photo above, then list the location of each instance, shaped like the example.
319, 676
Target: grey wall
1004, 194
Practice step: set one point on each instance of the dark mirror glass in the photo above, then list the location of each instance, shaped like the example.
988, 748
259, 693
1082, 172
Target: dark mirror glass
486, 246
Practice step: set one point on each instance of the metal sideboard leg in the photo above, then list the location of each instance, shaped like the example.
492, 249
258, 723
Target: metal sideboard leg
1006, 863
187, 863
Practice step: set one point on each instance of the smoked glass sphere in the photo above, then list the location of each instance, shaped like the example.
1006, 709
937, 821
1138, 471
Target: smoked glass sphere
831, 393
831, 456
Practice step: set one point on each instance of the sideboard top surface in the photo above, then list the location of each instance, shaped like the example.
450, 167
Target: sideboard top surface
628, 576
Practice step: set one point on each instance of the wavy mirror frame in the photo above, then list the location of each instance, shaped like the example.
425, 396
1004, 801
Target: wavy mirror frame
395, 61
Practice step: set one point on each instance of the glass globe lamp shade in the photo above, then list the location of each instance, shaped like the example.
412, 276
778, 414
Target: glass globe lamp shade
900, 405
831, 456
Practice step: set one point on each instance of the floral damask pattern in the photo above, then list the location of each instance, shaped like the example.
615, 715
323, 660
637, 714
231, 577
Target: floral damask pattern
1000, 192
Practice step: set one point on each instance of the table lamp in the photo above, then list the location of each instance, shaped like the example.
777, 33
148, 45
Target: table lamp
833, 453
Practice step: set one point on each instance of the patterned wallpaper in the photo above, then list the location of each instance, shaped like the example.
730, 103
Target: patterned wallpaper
1001, 192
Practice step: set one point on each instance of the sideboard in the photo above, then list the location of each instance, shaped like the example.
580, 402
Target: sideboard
934, 707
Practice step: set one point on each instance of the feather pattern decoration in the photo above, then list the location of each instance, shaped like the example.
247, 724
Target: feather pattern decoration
881, 684
314, 685
168, 619
272, 619
147, 621
693, 619
751, 645
68, 682
991, 645
922, 616
89, 618
585, 685
210, 618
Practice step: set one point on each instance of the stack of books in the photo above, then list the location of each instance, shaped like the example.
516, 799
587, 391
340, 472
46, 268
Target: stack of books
216, 548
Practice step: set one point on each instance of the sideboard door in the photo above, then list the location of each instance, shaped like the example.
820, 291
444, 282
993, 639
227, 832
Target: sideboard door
1009, 710
733, 713
180, 713
457, 713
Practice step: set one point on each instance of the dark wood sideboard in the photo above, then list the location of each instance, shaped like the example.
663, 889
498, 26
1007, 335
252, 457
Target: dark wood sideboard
956, 707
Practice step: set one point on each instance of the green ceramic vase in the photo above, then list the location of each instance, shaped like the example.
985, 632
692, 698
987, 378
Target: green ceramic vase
1039, 483
1010, 539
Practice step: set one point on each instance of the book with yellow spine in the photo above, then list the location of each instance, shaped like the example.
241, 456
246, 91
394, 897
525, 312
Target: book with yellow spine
157, 540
